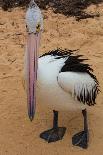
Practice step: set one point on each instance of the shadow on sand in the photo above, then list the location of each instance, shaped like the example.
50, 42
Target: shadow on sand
74, 8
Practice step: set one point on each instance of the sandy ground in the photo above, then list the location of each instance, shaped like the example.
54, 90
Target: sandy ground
18, 136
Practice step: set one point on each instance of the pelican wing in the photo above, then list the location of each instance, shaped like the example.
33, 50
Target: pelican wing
82, 86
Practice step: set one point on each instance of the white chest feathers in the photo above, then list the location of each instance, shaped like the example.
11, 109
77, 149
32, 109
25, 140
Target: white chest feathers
51, 90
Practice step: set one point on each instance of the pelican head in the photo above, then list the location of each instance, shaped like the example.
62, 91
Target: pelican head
34, 24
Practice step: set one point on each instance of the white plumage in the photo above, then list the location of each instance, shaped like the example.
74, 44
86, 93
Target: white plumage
67, 90
59, 90
75, 83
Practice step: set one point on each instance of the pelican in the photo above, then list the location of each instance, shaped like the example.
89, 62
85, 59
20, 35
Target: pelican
58, 79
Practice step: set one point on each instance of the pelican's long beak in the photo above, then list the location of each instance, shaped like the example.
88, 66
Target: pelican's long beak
33, 42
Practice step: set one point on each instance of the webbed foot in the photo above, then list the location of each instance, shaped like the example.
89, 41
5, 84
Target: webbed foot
81, 139
53, 134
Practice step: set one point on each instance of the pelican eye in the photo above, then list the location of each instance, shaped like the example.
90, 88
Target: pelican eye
27, 28
38, 28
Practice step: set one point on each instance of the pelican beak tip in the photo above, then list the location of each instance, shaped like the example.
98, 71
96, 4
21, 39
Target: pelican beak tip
31, 118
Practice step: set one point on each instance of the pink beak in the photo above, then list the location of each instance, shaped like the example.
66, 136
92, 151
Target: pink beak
32, 65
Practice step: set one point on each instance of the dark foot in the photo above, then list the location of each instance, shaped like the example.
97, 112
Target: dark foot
53, 135
81, 139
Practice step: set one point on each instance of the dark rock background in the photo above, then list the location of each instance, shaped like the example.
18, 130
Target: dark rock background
67, 7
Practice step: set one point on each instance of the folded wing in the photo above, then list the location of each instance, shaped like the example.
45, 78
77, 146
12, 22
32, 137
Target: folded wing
81, 86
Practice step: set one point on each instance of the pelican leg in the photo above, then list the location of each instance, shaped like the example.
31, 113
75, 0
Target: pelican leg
81, 139
54, 134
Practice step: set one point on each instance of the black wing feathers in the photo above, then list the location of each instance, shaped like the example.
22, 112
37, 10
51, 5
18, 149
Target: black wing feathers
74, 63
